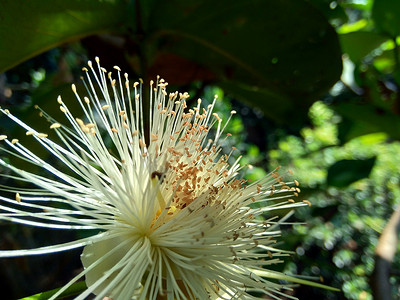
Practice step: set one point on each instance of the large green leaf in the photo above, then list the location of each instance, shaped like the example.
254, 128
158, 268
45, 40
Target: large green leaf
345, 172
28, 28
286, 47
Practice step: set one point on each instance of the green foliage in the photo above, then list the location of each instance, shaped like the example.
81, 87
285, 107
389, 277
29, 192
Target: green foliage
371, 74
258, 50
345, 220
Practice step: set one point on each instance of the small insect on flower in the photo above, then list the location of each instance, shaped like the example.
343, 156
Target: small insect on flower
173, 218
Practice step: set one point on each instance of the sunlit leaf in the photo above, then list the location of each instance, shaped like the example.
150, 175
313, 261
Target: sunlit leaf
28, 28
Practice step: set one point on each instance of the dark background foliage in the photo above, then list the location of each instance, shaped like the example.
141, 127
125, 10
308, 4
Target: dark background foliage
316, 84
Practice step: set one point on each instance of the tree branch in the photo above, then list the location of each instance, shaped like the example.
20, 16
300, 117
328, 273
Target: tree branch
384, 255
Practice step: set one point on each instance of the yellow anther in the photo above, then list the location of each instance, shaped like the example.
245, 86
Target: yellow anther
42, 135
80, 122
55, 125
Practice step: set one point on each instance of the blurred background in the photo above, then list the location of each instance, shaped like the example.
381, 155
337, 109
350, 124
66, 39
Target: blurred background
316, 87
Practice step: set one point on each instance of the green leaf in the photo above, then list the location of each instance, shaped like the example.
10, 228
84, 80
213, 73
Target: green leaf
360, 43
386, 16
28, 28
360, 119
345, 172
284, 48
73, 290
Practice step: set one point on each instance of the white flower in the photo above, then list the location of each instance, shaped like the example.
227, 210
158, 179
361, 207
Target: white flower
175, 220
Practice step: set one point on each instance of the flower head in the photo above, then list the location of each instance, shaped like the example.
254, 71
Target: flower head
173, 217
